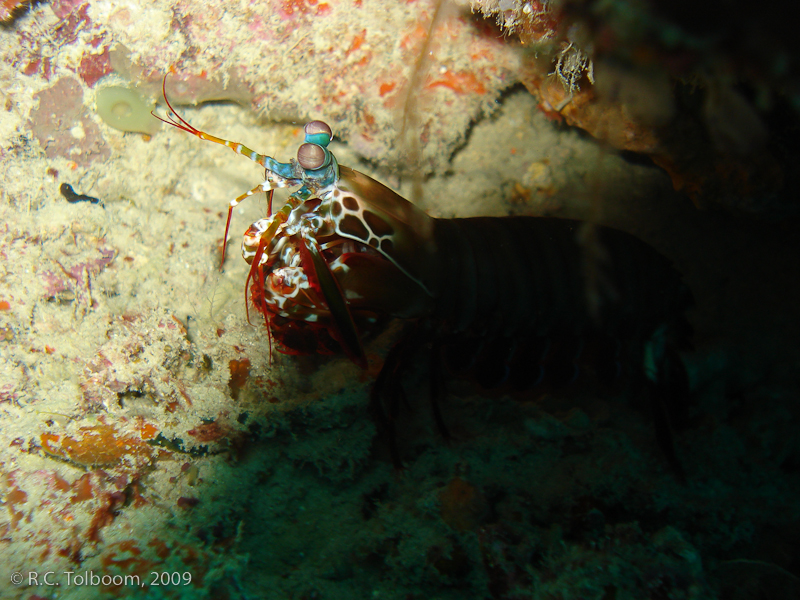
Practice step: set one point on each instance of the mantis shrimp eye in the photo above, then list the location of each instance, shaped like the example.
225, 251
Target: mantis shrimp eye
311, 156
315, 127
318, 132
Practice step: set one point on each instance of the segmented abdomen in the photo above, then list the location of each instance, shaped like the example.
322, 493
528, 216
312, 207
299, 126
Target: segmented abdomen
519, 283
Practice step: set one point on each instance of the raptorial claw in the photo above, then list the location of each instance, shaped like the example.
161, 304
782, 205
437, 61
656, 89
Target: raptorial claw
300, 255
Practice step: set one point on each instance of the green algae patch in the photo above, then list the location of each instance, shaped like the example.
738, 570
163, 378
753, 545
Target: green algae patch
125, 109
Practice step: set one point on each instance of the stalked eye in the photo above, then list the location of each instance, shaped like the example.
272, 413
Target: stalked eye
311, 156
315, 127
318, 132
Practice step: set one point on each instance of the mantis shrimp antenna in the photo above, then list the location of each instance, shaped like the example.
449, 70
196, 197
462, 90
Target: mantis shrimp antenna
176, 120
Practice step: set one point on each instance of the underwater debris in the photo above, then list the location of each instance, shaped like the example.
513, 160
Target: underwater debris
72, 196
240, 373
573, 64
